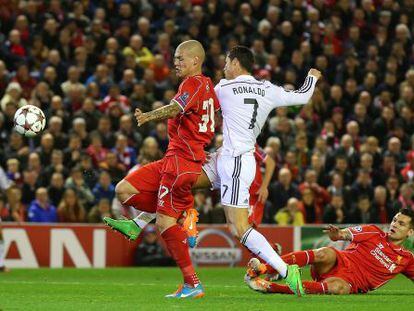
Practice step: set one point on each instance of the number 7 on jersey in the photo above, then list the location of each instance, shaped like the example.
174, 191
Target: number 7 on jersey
252, 101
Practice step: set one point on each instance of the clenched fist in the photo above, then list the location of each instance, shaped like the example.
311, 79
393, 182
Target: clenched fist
315, 72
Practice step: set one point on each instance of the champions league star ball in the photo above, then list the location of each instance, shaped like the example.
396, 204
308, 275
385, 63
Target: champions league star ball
29, 120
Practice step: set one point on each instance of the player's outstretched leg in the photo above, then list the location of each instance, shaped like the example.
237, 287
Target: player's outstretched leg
300, 258
258, 245
128, 195
310, 287
333, 286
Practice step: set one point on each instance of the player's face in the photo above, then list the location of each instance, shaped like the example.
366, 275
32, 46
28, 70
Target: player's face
400, 227
229, 69
183, 63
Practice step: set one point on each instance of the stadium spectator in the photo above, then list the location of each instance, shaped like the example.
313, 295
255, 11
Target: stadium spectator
149, 252
335, 212
100, 210
40, 210
280, 192
77, 183
362, 211
56, 188
104, 188
70, 209
292, 214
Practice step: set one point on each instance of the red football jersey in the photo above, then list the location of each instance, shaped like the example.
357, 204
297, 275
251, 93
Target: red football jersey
376, 259
192, 130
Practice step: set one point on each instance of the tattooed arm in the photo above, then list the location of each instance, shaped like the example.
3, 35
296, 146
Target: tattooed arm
166, 112
336, 234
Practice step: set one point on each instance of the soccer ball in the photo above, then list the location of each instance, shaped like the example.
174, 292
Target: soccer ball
29, 120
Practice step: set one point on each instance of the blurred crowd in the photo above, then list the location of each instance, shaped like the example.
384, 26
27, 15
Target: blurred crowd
346, 157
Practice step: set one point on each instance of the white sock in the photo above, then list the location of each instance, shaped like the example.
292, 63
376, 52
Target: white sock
259, 246
1, 253
143, 219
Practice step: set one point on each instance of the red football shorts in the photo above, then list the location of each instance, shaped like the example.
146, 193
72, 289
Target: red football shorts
342, 269
165, 185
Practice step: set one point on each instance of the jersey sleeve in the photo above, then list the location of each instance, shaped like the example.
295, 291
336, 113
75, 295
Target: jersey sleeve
217, 88
300, 96
363, 233
188, 93
216, 101
409, 270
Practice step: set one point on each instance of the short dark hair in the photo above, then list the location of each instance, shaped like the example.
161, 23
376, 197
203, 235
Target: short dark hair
243, 55
410, 213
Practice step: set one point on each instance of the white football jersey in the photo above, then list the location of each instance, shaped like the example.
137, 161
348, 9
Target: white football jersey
245, 104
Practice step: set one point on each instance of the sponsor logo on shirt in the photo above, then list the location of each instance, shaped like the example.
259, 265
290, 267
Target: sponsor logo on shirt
382, 258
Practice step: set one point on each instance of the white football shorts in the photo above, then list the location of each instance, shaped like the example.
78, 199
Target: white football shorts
210, 168
236, 175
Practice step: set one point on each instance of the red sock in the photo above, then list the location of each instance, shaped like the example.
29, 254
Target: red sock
311, 287
145, 202
301, 258
176, 240
279, 288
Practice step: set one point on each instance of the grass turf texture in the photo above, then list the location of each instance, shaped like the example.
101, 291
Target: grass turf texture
144, 289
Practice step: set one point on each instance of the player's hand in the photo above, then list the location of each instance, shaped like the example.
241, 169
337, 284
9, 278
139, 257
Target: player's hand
333, 232
141, 117
315, 72
263, 194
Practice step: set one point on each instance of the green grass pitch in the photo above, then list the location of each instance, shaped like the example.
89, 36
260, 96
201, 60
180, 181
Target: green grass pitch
144, 289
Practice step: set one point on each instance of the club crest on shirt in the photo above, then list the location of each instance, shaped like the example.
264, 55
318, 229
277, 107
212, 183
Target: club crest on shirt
183, 99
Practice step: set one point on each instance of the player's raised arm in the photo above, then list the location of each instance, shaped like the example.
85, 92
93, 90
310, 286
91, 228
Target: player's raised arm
165, 112
336, 234
300, 96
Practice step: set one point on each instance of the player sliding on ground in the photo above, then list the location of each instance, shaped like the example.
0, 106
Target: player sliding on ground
372, 259
245, 104
165, 186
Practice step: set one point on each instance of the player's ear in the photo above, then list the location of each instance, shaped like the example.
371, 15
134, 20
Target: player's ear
410, 232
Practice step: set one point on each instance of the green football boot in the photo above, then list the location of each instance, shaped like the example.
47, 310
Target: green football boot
294, 280
126, 227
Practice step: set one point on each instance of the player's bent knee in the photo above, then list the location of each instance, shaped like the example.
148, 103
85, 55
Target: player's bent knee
124, 190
